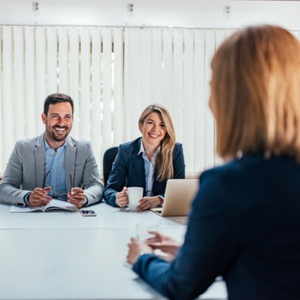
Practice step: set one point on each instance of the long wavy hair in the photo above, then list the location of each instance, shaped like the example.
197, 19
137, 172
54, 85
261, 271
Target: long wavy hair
164, 161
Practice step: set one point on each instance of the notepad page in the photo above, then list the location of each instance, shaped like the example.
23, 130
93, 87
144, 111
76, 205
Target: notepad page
58, 204
18, 209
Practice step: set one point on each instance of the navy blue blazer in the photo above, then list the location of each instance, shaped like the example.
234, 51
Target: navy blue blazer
128, 170
245, 226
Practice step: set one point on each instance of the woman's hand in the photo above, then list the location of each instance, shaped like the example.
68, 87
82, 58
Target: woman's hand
135, 247
122, 197
164, 243
149, 202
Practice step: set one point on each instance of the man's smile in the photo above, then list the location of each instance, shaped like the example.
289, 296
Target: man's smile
60, 130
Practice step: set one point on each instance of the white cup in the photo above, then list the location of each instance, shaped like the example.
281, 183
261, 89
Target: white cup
135, 194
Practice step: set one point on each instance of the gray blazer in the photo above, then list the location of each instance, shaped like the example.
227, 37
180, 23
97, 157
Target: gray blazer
26, 167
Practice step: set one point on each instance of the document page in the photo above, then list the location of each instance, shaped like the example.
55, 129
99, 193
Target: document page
58, 204
53, 204
19, 209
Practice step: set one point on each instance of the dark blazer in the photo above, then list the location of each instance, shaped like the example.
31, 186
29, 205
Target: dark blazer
245, 226
128, 170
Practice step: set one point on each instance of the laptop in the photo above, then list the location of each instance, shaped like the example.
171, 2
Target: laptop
178, 197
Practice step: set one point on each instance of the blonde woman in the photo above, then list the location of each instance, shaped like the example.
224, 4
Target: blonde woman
147, 162
244, 224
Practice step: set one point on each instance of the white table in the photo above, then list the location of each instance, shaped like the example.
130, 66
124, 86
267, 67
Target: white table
62, 255
107, 217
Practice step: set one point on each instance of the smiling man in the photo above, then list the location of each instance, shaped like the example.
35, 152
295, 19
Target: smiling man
52, 165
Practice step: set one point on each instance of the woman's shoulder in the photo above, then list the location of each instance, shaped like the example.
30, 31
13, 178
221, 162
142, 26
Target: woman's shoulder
130, 145
178, 145
233, 168
238, 168
221, 183
177, 148
249, 178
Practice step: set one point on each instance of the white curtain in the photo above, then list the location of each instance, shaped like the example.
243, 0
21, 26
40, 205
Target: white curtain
172, 67
112, 75
80, 62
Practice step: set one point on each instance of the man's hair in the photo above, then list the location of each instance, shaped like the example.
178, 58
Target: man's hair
57, 98
255, 92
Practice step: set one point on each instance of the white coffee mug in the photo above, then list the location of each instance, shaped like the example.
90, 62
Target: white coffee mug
135, 194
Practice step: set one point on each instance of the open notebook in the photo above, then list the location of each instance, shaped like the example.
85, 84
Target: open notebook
52, 205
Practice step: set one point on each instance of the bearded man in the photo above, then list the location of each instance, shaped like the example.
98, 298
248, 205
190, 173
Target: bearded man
52, 165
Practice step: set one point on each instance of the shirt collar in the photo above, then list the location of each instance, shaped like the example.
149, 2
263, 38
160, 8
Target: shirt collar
48, 147
142, 150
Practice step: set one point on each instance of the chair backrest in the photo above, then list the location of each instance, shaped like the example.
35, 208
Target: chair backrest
108, 159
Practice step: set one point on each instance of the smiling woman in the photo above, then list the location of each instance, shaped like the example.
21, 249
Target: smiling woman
147, 162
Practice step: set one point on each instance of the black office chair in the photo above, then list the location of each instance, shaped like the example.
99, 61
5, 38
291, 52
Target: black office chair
108, 159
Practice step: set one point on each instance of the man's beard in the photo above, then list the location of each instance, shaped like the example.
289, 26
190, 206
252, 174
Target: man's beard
52, 133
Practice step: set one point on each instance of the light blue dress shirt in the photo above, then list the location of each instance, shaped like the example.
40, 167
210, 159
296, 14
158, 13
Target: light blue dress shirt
149, 169
54, 171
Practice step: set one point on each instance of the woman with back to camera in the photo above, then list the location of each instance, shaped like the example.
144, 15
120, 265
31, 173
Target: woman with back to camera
244, 224
147, 162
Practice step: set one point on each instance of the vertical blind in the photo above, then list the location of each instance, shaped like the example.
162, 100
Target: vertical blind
112, 74
85, 63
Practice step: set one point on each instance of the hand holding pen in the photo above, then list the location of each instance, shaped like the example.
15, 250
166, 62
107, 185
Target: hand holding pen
39, 197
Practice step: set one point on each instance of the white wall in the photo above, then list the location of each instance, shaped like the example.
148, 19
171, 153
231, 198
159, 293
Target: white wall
163, 13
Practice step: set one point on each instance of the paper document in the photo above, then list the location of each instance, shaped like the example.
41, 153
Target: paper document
52, 205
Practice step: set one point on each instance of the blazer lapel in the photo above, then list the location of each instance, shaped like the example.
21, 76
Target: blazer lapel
39, 152
138, 162
157, 185
70, 157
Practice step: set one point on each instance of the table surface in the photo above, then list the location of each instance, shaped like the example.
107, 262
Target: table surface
107, 217
62, 255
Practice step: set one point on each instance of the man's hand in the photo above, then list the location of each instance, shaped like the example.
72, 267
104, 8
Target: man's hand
76, 197
39, 197
164, 243
135, 247
122, 197
148, 203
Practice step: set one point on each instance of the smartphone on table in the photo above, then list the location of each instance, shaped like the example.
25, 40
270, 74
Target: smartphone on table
88, 213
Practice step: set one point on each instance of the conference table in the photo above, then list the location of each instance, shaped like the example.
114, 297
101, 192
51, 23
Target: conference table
62, 255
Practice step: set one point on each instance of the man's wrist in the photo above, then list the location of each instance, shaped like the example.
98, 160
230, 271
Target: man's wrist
26, 199
85, 202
